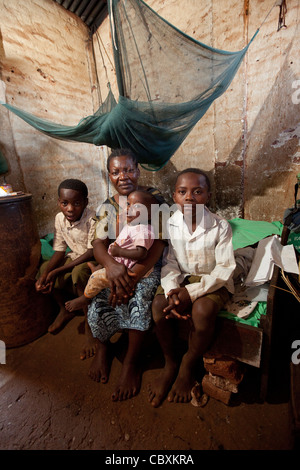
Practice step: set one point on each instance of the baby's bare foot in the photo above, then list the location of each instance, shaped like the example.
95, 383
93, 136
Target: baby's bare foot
77, 304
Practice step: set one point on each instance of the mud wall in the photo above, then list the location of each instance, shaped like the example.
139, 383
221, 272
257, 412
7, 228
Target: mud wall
47, 69
248, 140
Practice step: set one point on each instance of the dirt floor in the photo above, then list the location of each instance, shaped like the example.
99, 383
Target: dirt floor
48, 402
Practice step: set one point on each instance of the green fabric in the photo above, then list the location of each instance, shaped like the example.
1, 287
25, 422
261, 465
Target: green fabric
248, 232
157, 106
254, 317
47, 247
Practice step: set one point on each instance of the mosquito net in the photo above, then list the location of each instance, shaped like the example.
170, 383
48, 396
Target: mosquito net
166, 80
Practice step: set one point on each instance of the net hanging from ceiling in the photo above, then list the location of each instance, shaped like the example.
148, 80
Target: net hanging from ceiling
166, 82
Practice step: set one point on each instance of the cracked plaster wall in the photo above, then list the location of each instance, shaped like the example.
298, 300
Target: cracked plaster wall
248, 140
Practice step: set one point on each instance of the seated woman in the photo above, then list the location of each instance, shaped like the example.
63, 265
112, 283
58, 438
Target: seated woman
127, 304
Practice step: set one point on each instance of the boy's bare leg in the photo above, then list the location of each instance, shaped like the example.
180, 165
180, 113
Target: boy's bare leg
203, 315
63, 317
165, 332
100, 367
130, 380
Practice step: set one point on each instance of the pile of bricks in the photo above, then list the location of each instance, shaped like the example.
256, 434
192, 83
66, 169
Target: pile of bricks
222, 378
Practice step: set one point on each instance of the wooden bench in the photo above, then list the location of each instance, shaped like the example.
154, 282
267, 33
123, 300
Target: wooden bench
253, 345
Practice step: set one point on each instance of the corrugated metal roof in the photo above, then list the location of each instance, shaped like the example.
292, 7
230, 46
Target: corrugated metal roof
91, 12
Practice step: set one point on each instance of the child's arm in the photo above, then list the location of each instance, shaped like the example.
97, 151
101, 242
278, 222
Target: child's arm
180, 304
171, 275
224, 266
139, 253
59, 247
46, 281
153, 255
60, 244
87, 256
171, 279
55, 260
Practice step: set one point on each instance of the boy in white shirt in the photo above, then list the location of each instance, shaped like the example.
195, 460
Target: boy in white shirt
196, 279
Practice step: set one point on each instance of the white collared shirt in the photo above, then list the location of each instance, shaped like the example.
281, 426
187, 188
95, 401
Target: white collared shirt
78, 236
207, 252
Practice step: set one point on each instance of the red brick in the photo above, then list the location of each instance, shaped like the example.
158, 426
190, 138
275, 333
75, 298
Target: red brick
215, 392
221, 382
224, 367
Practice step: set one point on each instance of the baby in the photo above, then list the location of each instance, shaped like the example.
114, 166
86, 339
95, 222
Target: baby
132, 245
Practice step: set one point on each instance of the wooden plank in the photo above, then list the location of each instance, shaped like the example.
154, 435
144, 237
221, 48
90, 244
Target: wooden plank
238, 341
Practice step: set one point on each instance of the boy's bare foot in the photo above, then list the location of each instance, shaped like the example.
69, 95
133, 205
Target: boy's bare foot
158, 390
60, 321
77, 304
181, 390
100, 367
129, 382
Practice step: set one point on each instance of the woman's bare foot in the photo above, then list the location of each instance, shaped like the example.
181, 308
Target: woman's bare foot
89, 349
100, 367
60, 321
77, 304
129, 383
181, 390
158, 390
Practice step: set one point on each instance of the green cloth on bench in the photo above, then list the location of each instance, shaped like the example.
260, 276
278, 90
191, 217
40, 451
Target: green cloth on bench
248, 232
254, 317
47, 247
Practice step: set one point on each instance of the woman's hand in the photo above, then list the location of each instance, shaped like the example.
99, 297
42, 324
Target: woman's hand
117, 295
180, 304
121, 282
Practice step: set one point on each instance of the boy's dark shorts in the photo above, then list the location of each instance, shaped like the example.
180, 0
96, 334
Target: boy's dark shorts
220, 296
68, 281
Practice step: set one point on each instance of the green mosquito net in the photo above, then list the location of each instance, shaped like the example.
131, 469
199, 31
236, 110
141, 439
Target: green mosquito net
166, 82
